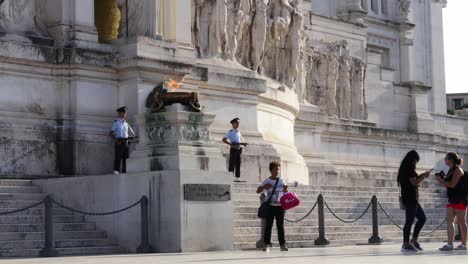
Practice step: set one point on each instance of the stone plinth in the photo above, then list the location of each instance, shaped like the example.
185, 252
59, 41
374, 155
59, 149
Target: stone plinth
177, 143
176, 139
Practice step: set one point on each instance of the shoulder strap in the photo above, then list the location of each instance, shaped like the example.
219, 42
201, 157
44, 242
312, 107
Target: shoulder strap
273, 192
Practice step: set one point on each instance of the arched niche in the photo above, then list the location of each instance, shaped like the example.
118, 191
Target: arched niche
107, 16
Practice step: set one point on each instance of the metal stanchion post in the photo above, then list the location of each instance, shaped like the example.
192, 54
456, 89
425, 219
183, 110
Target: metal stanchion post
321, 240
375, 238
49, 248
145, 246
260, 243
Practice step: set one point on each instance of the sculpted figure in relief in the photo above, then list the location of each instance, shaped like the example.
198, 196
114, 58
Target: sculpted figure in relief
357, 89
403, 9
259, 30
232, 27
211, 18
262, 35
344, 101
332, 77
294, 44
22, 16
280, 26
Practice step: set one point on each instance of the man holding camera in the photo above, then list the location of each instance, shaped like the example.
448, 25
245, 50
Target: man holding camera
234, 139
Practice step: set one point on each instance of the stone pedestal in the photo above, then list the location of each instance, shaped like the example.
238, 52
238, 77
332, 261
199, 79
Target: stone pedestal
196, 213
420, 121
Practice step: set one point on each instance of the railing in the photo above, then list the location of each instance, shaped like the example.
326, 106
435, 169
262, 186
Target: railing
321, 204
49, 249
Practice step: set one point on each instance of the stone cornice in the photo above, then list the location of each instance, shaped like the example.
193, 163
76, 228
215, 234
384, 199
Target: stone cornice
443, 2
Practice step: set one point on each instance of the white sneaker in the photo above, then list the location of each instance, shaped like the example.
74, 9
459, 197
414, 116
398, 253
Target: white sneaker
116, 172
237, 180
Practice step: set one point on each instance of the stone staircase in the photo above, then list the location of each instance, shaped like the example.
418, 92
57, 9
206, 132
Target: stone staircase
22, 233
348, 203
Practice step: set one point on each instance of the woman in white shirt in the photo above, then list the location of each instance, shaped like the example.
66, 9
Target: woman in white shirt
276, 211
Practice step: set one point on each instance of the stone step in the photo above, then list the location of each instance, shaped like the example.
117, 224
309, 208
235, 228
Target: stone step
40, 227
330, 218
346, 212
256, 197
237, 186
385, 204
8, 236
35, 211
333, 229
332, 236
311, 244
330, 221
353, 192
65, 251
25, 219
4, 182
22, 196
19, 189
309, 204
253, 215
59, 243
19, 203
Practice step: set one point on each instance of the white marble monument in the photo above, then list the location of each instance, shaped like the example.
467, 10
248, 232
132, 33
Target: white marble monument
331, 88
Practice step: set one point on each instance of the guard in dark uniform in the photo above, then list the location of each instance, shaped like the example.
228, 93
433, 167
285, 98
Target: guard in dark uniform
235, 140
119, 134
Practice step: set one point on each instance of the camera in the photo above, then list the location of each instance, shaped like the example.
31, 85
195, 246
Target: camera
440, 174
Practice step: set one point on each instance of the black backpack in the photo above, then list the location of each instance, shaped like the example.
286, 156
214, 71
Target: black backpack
464, 184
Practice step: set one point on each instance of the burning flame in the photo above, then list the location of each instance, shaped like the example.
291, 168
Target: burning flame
173, 85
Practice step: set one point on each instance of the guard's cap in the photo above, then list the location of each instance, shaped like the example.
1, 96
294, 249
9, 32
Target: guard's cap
122, 109
235, 120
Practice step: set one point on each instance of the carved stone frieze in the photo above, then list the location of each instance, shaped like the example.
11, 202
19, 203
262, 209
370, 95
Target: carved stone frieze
262, 35
335, 81
172, 134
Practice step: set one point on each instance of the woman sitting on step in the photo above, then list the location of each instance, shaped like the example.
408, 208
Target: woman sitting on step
457, 205
409, 180
275, 186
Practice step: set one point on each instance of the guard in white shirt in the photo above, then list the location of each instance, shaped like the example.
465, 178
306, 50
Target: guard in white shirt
119, 134
235, 140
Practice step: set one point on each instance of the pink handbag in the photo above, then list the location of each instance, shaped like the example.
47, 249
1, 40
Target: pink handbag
289, 200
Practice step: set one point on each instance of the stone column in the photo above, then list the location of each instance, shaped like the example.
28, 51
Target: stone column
406, 54
71, 21
439, 103
176, 22
159, 19
83, 27
144, 18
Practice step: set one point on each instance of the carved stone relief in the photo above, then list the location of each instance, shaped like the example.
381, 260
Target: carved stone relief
262, 35
23, 17
170, 134
335, 81
403, 9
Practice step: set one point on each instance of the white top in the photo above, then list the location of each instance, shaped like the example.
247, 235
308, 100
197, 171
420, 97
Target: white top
275, 199
234, 136
120, 127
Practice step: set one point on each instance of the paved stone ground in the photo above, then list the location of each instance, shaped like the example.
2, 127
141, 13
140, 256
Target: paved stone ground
349, 254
